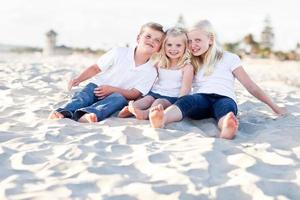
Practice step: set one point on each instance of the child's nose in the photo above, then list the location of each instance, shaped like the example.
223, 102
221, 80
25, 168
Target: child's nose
193, 44
152, 41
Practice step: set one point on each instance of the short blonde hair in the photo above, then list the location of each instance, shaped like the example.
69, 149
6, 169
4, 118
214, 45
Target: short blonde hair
152, 25
163, 61
214, 53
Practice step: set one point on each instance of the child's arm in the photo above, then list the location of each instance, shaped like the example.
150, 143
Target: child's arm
86, 74
256, 91
105, 90
187, 79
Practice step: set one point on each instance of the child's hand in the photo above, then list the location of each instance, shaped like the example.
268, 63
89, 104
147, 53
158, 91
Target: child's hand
103, 91
72, 83
280, 111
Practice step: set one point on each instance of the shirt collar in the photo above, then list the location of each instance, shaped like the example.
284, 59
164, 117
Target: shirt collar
130, 56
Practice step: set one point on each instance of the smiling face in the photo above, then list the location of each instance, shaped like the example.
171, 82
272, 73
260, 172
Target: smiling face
149, 41
175, 47
199, 42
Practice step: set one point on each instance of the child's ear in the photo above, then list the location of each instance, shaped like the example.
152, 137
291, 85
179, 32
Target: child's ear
138, 38
211, 39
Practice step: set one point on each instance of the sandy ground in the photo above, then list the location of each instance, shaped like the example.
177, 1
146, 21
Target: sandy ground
124, 159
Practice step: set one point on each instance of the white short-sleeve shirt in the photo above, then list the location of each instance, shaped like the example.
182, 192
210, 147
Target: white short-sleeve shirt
221, 81
118, 69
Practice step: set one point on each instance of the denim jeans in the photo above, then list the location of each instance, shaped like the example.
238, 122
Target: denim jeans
85, 101
158, 96
202, 106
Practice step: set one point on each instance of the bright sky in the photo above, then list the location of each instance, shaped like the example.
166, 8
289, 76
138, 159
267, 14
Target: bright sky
105, 23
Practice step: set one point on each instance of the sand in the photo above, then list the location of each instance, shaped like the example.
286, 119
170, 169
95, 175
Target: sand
124, 159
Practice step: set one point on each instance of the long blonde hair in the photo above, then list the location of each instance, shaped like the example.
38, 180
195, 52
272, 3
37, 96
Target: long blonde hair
162, 59
210, 58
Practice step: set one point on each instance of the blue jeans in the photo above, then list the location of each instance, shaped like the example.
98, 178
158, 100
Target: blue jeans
202, 106
85, 101
158, 96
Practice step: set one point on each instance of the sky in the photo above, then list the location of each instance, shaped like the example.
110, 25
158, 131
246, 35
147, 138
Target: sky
106, 23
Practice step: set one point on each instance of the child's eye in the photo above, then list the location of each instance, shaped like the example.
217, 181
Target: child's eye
178, 45
148, 36
169, 45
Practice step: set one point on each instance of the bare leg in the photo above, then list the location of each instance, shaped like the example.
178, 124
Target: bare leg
228, 125
137, 107
88, 118
55, 115
124, 113
138, 113
139, 104
143, 103
144, 114
165, 103
159, 117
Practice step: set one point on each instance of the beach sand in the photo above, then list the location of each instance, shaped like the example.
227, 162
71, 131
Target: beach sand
124, 159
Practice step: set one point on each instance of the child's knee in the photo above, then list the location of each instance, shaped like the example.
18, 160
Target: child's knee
157, 101
164, 102
149, 99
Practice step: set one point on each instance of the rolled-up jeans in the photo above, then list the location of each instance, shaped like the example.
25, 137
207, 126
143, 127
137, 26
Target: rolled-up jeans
201, 106
85, 101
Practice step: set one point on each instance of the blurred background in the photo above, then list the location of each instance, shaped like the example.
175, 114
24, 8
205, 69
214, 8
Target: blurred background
264, 28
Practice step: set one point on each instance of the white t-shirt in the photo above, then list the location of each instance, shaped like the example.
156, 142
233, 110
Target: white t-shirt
168, 82
221, 81
118, 69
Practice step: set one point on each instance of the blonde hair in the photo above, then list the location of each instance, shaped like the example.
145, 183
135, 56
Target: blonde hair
162, 60
152, 25
210, 58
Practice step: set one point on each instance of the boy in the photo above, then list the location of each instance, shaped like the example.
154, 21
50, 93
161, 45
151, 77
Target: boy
121, 74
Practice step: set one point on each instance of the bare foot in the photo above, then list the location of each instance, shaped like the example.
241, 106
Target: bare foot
138, 113
124, 113
156, 116
229, 127
55, 115
88, 118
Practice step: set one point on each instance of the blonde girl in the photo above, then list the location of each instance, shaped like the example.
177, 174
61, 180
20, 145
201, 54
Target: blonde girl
175, 75
213, 86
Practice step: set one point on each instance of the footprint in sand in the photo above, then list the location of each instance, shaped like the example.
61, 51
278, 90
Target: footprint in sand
119, 149
81, 190
135, 136
159, 158
286, 190
5, 136
275, 172
232, 192
169, 189
36, 157
120, 197
250, 128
